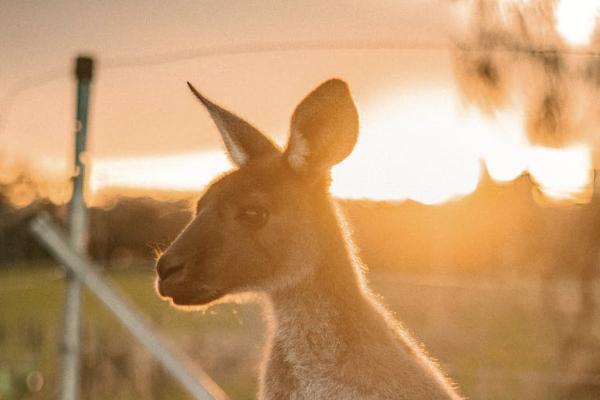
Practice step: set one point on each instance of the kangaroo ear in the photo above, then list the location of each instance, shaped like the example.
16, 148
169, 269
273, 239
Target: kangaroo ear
243, 141
323, 130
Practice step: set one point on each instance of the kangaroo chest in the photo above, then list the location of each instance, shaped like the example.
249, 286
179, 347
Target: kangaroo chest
306, 358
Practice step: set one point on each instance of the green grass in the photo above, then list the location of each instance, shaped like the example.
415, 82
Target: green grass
487, 337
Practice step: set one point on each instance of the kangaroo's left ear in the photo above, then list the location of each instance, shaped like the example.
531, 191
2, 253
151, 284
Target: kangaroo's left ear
323, 130
242, 141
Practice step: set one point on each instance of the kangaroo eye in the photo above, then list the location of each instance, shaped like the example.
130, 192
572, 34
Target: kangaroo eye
255, 217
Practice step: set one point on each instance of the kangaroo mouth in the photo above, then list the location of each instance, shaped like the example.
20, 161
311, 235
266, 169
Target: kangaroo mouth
180, 294
195, 300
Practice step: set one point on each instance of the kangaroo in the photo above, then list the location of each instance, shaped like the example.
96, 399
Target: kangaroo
270, 226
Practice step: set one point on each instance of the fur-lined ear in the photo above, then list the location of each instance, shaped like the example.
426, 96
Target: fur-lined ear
323, 130
243, 141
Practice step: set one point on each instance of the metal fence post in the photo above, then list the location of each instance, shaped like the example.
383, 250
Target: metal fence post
197, 383
78, 226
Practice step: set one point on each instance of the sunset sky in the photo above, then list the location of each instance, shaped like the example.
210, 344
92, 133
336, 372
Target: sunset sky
417, 139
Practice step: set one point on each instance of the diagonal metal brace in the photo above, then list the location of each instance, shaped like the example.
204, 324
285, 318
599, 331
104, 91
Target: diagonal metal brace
192, 378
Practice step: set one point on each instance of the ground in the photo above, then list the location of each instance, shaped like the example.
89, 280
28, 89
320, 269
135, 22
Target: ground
492, 337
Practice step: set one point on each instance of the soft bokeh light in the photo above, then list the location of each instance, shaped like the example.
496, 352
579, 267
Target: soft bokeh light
576, 20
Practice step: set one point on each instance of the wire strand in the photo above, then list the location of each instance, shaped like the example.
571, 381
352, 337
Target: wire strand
51, 75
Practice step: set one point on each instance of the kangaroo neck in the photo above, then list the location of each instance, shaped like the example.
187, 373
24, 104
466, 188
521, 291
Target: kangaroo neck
316, 319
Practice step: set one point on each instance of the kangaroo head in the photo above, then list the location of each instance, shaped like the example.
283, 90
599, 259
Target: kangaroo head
258, 227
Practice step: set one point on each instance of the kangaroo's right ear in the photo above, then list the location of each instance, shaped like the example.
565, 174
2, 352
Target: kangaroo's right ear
243, 141
323, 130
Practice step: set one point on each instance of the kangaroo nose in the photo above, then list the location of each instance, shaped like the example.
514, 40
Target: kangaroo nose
168, 266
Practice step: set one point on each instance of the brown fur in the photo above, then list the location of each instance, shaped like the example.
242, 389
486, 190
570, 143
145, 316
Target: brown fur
271, 227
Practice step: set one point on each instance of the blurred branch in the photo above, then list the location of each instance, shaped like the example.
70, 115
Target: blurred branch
514, 48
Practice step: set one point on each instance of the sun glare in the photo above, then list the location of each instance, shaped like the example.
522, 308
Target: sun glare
410, 147
420, 147
561, 173
180, 172
576, 20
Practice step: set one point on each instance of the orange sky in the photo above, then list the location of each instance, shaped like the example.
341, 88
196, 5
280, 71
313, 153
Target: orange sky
416, 136
147, 110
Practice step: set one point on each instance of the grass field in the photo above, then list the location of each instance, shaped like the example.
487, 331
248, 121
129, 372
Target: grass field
492, 337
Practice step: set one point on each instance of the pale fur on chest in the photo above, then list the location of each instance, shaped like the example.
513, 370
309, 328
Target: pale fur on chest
312, 355
310, 349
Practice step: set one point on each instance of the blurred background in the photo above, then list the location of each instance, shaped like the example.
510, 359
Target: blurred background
472, 191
